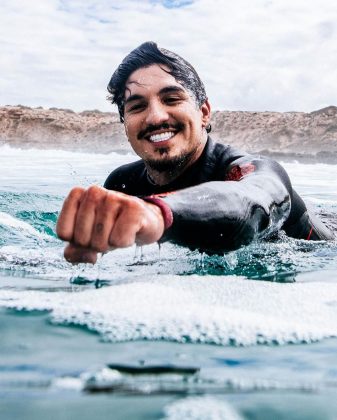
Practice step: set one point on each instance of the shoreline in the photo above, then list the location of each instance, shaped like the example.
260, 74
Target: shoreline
283, 136
321, 158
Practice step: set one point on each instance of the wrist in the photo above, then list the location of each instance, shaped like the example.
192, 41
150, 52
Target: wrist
165, 210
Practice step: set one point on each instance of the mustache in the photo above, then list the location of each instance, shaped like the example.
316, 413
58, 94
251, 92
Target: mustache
165, 126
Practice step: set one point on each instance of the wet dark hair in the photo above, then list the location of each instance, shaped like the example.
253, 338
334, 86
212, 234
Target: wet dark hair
144, 56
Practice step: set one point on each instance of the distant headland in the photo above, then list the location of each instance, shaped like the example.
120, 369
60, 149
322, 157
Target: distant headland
307, 137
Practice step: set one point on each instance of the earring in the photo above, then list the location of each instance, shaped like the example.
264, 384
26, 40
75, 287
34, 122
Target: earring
208, 128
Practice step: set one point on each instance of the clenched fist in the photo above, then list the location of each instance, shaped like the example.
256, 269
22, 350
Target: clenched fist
98, 220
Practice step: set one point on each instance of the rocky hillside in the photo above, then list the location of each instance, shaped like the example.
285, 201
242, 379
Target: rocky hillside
55, 128
310, 136
302, 134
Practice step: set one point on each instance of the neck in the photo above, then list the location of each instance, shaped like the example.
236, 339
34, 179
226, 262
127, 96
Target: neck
168, 176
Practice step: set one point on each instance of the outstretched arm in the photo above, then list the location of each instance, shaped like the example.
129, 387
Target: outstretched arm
220, 216
253, 200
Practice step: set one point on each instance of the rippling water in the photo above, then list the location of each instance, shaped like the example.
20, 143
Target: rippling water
160, 333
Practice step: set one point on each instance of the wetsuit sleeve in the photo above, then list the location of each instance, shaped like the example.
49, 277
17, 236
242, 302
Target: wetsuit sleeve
252, 201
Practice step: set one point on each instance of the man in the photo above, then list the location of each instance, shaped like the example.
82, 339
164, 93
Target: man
185, 189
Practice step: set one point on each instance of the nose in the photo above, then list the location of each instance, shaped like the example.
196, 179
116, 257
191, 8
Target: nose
156, 113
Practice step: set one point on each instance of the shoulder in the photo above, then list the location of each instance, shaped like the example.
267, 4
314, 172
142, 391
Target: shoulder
234, 156
236, 164
131, 172
225, 157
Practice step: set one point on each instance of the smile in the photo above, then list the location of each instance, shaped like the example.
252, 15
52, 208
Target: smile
161, 137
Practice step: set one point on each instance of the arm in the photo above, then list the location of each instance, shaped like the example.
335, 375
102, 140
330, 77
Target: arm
214, 216
220, 216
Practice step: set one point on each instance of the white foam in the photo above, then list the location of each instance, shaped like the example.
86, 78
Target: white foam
200, 408
20, 225
68, 383
219, 310
7, 151
103, 377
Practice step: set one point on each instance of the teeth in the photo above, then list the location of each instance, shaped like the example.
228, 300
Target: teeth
162, 136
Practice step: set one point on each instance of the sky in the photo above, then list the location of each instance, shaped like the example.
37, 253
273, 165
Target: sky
252, 55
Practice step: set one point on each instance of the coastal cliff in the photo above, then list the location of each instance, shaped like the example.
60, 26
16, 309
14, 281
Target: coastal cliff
289, 135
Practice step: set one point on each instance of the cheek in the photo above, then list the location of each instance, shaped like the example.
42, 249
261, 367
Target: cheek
189, 115
129, 127
133, 125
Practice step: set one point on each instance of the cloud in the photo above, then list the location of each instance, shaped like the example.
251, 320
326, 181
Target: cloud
173, 4
263, 55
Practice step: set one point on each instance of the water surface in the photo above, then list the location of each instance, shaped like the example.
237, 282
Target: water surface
257, 327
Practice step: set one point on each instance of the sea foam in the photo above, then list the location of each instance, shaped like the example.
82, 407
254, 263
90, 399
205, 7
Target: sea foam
219, 310
19, 225
200, 408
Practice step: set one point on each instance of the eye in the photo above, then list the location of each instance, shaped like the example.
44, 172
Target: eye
171, 100
135, 107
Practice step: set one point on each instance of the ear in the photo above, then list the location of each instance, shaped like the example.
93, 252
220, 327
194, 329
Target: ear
205, 113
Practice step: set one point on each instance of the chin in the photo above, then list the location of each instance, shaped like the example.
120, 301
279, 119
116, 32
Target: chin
167, 163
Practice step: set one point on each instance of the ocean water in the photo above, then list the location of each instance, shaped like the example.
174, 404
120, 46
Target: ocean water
167, 333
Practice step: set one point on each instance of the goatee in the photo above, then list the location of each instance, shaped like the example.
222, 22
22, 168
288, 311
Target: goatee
169, 164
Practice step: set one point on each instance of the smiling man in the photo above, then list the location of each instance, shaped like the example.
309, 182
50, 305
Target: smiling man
163, 122
185, 189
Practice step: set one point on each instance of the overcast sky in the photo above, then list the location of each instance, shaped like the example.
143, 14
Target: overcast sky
253, 55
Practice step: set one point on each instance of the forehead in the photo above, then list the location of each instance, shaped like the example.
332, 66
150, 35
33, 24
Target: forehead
149, 79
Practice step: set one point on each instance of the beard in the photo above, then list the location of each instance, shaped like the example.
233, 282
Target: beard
170, 164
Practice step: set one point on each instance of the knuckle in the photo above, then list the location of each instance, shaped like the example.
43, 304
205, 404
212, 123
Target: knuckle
95, 193
133, 205
124, 202
76, 193
115, 198
106, 206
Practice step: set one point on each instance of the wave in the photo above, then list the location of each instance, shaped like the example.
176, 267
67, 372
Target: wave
7, 150
19, 225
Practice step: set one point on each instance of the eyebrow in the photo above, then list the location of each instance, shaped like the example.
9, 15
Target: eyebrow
169, 89
132, 98
166, 89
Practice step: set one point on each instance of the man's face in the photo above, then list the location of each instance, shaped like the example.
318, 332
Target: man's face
162, 121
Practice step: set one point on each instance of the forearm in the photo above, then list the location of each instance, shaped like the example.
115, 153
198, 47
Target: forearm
221, 216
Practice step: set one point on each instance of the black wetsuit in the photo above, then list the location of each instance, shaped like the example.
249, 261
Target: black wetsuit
224, 200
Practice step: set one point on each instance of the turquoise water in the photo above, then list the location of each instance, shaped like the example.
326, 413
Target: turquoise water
256, 328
